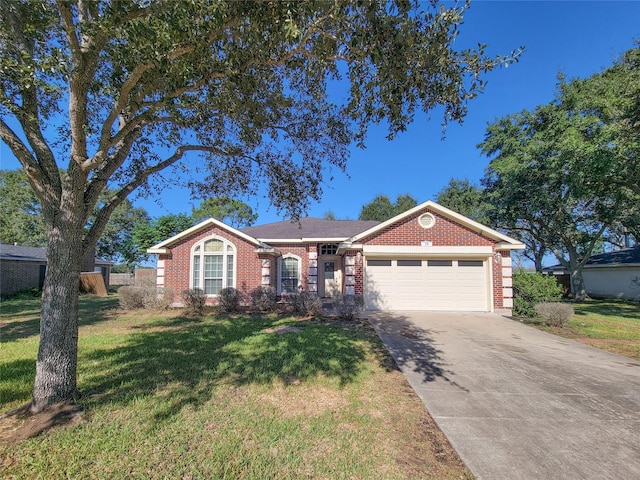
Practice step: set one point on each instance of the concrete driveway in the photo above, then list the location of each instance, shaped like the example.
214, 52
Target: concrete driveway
517, 403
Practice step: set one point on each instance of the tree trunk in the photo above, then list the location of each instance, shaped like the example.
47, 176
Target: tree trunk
577, 282
56, 367
577, 286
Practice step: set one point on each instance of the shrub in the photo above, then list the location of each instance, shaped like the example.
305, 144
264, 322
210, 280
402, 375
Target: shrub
348, 306
305, 304
555, 314
132, 297
158, 298
532, 288
229, 299
263, 298
194, 299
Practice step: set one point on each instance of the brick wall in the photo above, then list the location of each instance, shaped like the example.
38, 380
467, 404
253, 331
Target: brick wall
174, 269
445, 232
17, 276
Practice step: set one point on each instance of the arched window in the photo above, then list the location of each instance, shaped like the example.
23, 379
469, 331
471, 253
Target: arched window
213, 265
289, 274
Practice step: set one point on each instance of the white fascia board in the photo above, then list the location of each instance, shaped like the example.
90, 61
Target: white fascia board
390, 250
158, 251
325, 239
195, 229
302, 240
271, 241
510, 246
461, 219
344, 246
267, 250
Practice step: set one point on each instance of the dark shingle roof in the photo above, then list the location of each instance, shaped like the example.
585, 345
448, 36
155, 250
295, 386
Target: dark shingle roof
21, 253
310, 227
620, 257
18, 252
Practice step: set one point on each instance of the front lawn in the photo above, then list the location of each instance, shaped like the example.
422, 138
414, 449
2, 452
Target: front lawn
172, 395
607, 324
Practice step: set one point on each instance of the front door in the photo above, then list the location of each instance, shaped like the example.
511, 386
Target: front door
332, 278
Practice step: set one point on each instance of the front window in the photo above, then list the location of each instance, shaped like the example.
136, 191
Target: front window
290, 274
329, 249
212, 265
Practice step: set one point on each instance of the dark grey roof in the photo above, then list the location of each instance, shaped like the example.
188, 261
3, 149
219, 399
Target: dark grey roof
310, 227
18, 252
22, 253
626, 256
620, 257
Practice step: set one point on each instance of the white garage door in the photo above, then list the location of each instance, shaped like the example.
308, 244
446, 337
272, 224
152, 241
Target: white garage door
427, 284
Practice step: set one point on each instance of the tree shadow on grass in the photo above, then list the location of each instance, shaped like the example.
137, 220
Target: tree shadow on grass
20, 372
20, 318
186, 359
618, 308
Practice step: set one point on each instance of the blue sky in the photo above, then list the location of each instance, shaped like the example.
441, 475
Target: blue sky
577, 38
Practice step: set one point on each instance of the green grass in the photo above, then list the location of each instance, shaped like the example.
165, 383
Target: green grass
170, 395
611, 325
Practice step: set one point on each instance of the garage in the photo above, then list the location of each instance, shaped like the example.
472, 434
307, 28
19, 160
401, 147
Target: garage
446, 284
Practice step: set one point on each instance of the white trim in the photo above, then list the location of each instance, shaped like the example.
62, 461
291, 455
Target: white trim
202, 254
270, 241
510, 243
394, 250
163, 247
280, 259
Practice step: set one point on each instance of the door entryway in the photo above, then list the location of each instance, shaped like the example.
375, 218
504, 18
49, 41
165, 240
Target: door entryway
331, 281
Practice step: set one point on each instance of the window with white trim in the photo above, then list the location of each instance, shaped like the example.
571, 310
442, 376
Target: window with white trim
329, 249
289, 274
213, 265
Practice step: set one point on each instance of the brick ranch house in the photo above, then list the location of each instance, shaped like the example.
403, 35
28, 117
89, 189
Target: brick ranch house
428, 258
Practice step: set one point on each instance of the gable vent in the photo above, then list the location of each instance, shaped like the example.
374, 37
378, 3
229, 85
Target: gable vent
427, 220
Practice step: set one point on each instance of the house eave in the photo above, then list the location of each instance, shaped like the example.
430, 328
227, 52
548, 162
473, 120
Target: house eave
163, 247
267, 250
303, 240
445, 212
510, 246
158, 251
612, 265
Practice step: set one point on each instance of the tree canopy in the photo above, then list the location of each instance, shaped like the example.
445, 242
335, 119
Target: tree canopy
381, 208
565, 174
228, 210
227, 96
466, 198
20, 216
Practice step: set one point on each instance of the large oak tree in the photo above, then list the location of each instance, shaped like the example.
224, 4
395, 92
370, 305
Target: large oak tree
565, 175
114, 93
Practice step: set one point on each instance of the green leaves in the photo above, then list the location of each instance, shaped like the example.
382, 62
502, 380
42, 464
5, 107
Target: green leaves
381, 208
566, 173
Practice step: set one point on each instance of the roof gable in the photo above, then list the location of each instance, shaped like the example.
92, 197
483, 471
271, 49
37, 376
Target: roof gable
163, 246
508, 243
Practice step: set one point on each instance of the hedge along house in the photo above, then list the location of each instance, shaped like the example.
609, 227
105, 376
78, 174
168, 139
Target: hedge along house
428, 258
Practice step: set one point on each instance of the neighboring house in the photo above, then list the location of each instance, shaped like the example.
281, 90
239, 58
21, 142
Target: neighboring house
428, 258
23, 268
609, 275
